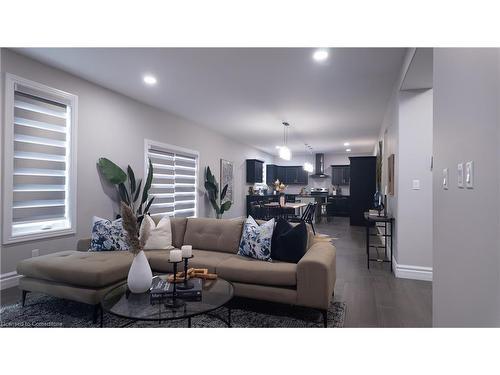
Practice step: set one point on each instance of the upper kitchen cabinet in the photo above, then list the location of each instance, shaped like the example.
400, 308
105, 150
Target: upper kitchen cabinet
289, 175
341, 175
280, 174
254, 171
271, 173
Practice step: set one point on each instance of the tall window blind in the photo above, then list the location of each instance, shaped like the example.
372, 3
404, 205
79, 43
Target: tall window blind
174, 180
38, 163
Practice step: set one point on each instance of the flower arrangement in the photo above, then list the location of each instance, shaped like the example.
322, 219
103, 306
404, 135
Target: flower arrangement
279, 186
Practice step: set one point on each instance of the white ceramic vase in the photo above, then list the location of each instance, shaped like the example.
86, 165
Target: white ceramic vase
140, 275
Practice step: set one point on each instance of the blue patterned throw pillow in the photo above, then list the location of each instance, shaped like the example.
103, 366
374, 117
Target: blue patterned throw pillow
107, 235
256, 240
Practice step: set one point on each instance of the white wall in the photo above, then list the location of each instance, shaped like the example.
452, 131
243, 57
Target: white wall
466, 287
406, 132
114, 126
415, 206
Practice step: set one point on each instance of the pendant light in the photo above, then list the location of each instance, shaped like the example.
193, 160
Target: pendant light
308, 167
285, 152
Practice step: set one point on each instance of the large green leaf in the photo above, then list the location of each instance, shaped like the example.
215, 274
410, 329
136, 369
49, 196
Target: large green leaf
147, 185
223, 194
124, 193
113, 173
138, 191
146, 210
210, 176
225, 207
131, 179
215, 206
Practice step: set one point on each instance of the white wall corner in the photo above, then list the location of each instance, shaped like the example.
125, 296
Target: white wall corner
9, 280
404, 271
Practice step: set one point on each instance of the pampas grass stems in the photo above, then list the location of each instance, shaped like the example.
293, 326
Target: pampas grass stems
131, 226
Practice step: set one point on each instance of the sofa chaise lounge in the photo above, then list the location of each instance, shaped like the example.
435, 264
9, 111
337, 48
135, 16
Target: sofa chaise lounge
85, 276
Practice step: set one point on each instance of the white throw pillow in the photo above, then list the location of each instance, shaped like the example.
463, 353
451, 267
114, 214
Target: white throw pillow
160, 236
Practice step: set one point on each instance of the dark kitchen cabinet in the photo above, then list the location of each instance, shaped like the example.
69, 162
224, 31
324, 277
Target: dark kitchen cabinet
362, 187
338, 205
271, 173
254, 171
280, 173
289, 175
341, 175
303, 176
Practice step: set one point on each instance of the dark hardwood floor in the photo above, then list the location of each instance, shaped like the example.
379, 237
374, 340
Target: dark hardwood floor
374, 298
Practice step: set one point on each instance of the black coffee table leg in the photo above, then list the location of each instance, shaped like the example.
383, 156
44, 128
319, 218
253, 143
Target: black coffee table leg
101, 316
189, 322
229, 316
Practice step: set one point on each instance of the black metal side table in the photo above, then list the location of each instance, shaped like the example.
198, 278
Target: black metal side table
386, 223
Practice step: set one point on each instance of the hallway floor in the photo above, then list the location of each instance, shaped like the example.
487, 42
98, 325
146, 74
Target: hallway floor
374, 297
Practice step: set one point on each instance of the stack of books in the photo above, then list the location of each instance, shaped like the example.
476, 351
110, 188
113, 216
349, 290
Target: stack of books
162, 289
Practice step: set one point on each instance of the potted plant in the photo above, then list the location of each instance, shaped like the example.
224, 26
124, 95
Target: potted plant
216, 200
127, 186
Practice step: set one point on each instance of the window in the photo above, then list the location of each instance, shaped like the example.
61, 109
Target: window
175, 173
39, 161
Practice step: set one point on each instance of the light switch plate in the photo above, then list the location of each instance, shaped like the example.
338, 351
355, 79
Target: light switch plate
469, 174
460, 175
415, 185
445, 179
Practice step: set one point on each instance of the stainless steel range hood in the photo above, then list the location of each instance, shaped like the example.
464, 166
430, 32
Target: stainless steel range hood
320, 167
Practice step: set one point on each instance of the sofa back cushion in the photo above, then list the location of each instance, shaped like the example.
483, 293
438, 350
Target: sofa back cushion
178, 229
214, 234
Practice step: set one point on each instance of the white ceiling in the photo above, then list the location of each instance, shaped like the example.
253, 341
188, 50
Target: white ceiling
245, 93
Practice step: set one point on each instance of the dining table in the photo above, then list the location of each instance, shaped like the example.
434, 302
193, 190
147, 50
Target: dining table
288, 206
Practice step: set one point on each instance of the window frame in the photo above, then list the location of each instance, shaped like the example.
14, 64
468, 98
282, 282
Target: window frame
169, 147
51, 93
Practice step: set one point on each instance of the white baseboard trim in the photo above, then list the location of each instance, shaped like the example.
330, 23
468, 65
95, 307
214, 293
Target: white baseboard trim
9, 280
404, 271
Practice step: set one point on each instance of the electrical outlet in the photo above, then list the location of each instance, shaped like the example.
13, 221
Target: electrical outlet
415, 185
35, 253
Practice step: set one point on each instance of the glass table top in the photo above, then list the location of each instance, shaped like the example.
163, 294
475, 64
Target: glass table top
120, 302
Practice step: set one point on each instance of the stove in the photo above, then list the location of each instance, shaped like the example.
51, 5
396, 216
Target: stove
319, 191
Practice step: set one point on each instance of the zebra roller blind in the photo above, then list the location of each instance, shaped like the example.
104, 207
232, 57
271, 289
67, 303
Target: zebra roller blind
174, 180
39, 165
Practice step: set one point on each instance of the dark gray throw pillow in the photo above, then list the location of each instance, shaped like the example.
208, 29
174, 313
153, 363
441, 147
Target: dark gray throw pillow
289, 243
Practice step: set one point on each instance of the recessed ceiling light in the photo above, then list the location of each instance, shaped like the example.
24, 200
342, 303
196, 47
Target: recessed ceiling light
347, 144
320, 55
348, 150
149, 80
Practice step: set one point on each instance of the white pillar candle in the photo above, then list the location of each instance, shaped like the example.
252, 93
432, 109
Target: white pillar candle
187, 251
175, 255
385, 190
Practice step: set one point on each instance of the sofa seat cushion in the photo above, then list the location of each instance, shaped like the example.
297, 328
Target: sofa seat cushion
84, 269
247, 270
158, 260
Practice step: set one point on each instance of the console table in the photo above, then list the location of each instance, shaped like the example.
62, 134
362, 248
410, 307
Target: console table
386, 223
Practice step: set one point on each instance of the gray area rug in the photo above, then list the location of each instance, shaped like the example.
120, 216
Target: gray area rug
46, 311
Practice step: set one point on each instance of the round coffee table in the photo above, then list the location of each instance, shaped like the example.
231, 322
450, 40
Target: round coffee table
120, 302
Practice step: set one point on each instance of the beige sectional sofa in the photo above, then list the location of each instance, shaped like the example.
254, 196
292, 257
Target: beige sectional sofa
86, 276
